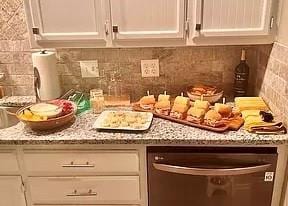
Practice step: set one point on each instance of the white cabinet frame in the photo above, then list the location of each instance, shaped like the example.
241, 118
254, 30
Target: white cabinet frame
39, 36
184, 34
262, 34
178, 33
263, 28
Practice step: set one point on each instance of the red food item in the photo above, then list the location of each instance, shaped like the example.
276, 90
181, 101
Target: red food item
67, 106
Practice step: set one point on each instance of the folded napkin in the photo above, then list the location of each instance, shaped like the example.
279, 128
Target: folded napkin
269, 128
255, 124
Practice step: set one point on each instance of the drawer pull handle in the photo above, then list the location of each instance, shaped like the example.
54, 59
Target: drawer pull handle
86, 194
78, 165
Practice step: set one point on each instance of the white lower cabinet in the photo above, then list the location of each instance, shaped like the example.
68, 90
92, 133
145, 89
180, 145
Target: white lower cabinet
75, 177
85, 190
83, 177
11, 191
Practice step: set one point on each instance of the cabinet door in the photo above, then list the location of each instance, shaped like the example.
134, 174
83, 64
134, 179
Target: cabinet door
68, 20
233, 17
11, 191
85, 190
138, 19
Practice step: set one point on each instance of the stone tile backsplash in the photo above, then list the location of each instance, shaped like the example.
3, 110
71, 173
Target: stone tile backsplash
179, 67
272, 79
15, 52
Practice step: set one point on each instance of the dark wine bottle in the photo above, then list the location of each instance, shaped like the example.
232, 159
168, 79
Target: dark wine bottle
241, 77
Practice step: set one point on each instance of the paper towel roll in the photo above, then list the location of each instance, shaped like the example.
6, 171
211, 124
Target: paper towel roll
45, 62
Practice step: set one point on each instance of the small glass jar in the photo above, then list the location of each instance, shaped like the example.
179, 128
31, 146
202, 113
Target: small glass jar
97, 100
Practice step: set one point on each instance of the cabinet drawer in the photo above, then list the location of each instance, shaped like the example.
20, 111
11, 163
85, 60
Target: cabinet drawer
82, 162
85, 190
8, 162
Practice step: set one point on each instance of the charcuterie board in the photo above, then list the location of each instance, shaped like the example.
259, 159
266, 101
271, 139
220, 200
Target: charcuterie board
233, 123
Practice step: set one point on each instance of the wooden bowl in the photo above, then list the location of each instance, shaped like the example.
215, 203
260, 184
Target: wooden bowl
213, 98
48, 124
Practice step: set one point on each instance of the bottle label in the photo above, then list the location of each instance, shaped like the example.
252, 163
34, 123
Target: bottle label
241, 80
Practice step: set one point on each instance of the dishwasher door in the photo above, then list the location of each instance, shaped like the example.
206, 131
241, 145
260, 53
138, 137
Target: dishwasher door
212, 176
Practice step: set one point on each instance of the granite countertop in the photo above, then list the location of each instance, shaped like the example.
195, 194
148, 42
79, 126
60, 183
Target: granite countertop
161, 132
17, 101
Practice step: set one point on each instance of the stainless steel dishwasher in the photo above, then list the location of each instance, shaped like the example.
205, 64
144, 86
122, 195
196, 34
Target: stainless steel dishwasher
211, 176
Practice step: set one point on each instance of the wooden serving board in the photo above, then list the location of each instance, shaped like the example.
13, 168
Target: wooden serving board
235, 123
223, 128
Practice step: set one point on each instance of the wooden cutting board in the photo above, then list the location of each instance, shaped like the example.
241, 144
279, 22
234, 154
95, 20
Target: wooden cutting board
233, 123
223, 128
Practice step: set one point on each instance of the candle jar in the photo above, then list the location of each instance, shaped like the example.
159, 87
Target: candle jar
97, 100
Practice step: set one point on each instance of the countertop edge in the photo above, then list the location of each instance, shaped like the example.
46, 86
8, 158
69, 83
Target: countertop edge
144, 142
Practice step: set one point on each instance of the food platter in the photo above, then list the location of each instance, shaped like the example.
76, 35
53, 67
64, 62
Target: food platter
233, 123
128, 121
41, 121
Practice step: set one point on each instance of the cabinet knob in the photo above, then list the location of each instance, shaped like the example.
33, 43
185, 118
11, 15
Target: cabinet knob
198, 27
35, 30
115, 29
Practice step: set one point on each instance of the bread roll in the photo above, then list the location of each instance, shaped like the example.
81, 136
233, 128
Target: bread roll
213, 115
148, 100
195, 112
223, 109
162, 105
180, 108
182, 100
163, 97
202, 105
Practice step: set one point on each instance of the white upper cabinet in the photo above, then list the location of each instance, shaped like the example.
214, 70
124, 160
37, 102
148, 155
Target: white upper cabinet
233, 17
148, 19
134, 23
67, 19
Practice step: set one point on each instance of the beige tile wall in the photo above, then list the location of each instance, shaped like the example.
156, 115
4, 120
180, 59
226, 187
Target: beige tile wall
272, 78
179, 67
15, 55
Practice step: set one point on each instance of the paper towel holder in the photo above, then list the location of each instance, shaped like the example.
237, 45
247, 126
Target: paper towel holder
37, 84
43, 51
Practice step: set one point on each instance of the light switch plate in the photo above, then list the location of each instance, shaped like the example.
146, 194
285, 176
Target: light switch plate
150, 68
89, 68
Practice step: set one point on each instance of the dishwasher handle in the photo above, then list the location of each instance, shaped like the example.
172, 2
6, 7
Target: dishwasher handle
211, 172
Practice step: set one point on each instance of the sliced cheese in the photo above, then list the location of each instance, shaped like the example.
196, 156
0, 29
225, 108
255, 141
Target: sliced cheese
251, 103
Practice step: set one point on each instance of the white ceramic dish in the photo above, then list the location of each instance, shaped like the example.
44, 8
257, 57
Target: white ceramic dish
46, 109
104, 115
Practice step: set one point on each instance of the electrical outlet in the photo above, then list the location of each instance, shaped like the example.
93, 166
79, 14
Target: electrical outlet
89, 69
150, 68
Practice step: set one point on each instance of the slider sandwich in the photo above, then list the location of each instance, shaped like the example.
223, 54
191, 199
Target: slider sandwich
180, 107
163, 97
163, 105
195, 115
147, 102
223, 109
213, 119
